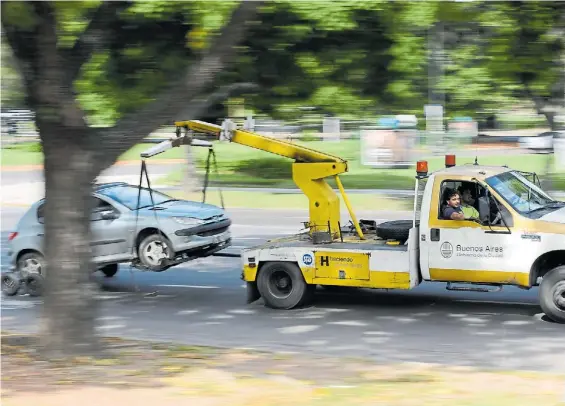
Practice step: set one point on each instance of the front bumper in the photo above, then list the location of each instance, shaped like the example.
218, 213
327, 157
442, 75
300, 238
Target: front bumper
202, 240
205, 230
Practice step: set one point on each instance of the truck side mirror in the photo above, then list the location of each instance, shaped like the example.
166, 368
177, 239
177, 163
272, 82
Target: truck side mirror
484, 209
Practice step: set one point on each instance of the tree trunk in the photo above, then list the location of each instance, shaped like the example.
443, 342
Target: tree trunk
70, 308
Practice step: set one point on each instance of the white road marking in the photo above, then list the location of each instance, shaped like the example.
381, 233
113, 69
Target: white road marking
189, 286
241, 311
297, 329
221, 316
186, 312
354, 323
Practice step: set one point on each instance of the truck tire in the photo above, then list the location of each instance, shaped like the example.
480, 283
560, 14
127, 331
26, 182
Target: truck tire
395, 230
282, 285
552, 294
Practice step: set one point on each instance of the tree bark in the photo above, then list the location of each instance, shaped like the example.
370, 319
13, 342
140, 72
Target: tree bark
70, 308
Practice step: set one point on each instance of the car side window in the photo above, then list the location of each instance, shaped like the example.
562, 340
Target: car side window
99, 206
41, 213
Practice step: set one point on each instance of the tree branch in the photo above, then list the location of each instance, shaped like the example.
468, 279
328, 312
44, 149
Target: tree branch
200, 105
94, 37
166, 107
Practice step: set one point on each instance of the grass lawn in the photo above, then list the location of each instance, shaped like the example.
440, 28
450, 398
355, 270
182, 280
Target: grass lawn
145, 373
243, 166
263, 200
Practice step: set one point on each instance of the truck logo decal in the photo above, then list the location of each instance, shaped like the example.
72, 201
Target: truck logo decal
446, 250
307, 259
325, 260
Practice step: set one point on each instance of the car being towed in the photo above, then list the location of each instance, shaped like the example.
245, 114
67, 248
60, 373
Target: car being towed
159, 228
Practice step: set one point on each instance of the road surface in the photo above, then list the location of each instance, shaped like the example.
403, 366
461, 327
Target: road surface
203, 302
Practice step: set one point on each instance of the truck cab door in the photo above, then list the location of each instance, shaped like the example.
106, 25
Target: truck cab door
471, 251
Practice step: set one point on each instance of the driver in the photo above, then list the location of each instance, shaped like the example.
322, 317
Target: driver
467, 202
452, 210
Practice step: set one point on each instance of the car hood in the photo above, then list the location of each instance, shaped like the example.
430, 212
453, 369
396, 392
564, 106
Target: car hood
184, 208
557, 216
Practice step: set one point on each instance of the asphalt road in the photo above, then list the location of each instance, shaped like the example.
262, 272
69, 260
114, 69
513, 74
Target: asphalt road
203, 302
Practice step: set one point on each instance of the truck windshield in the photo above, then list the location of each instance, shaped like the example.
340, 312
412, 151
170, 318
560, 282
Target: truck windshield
524, 196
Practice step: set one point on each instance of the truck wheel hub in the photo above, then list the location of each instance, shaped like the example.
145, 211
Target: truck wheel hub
559, 295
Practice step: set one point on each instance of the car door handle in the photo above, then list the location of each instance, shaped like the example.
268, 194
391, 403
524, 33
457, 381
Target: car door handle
40, 234
434, 234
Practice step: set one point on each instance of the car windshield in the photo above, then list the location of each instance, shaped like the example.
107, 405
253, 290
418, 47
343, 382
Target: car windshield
524, 196
127, 195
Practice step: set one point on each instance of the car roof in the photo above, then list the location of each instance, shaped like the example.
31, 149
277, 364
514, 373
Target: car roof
101, 186
471, 170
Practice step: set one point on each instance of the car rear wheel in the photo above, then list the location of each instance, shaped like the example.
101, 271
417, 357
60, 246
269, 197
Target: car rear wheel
153, 249
31, 263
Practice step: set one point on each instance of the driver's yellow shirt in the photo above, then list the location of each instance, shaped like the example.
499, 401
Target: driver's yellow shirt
469, 211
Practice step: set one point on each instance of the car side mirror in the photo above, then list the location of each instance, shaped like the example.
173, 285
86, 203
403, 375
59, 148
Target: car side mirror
484, 210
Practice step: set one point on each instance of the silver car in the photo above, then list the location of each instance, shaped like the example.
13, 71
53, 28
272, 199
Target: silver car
151, 237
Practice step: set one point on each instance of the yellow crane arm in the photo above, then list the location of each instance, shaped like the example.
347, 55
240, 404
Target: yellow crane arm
309, 170
250, 139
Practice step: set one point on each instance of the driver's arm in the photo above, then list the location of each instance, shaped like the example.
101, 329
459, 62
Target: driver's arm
451, 214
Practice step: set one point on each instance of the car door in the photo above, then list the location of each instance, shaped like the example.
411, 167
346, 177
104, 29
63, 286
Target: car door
109, 230
471, 251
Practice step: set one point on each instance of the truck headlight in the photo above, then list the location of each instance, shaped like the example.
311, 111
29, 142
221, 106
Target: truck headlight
188, 221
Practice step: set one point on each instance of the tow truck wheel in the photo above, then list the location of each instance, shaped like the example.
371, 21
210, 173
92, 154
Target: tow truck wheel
552, 294
282, 285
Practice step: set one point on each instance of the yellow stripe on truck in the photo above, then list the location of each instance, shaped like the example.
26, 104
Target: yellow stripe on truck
378, 280
464, 275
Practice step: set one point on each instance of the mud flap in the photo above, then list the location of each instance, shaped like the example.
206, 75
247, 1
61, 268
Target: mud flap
252, 292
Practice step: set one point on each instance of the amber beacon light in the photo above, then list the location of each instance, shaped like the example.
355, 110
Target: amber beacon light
422, 168
449, 161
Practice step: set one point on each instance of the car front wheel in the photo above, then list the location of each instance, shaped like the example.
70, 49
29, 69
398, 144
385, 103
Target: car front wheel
153, 249
31, 263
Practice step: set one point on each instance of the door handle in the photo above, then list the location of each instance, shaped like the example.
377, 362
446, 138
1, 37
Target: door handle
40, 234
434, 234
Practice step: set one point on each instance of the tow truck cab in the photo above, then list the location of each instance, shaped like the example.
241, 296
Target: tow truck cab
517, 238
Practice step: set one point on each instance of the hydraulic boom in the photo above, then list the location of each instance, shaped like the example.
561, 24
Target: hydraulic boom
309, 171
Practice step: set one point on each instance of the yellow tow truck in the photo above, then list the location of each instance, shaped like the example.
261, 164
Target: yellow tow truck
516, 237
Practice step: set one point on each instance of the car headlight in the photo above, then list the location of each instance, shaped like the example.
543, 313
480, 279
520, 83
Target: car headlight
188, 221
